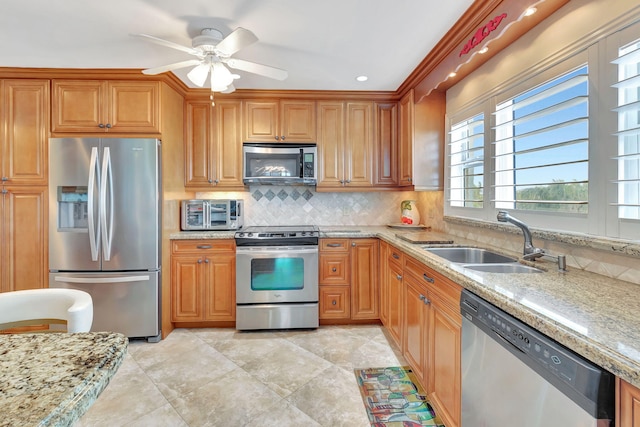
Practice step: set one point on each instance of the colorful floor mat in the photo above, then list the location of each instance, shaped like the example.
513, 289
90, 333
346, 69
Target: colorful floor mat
393, 398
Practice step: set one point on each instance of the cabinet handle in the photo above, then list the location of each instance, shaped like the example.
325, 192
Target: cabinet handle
421, 297
427, 278
334, 269
216, 181
395, 255
282, 137
334, 302
353, 244
348, 181
206, 260
4, 191
210, 181
108, 126
199, 261
427, 301
204, 246
399, 276
101, 126
334, 245
277, 138
4, 178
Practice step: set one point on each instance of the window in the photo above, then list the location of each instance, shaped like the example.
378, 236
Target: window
628, 112
466, 160
542, 147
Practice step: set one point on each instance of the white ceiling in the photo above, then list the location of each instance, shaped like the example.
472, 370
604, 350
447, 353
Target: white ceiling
323, 44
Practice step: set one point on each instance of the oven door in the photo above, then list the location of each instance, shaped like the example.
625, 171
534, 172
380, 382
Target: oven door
276, 274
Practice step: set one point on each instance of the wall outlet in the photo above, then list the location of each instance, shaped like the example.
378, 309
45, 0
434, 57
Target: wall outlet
345, 211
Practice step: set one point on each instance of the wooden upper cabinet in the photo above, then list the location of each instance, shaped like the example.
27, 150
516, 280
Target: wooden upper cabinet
24, 119
96, 106
386, 144
346, 144
280, 121
405, 140
213, 145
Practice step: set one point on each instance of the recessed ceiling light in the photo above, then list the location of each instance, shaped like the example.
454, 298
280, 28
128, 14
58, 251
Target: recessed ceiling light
483, 50
530, 11
362, 78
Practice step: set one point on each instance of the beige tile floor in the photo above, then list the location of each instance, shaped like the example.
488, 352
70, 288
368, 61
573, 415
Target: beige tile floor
222, 377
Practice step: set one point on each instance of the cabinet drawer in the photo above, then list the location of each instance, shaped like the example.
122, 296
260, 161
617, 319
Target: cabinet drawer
395, 256
335, 302
199, 246
334, 269
334, 245
445, 289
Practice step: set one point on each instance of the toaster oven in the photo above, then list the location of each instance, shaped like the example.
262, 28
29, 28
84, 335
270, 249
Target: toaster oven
203, 214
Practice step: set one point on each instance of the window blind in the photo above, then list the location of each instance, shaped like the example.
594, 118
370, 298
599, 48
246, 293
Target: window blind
466, 161
542, 147
628, 112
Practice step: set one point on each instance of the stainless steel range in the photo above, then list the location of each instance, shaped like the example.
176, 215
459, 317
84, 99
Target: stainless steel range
277, 277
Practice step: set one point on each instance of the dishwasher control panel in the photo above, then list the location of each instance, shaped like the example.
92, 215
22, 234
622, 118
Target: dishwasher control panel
527, 343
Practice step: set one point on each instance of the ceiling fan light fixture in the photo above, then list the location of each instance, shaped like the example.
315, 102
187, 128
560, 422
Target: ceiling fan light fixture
221, 77
199, 74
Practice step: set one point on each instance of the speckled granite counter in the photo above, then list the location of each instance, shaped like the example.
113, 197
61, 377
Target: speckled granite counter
595, 316
52, 379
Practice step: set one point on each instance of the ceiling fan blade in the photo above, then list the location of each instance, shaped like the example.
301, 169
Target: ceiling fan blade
252, 67
167, 43
230, 89
171, 67
238, 39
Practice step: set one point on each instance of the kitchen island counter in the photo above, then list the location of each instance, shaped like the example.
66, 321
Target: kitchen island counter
51, 379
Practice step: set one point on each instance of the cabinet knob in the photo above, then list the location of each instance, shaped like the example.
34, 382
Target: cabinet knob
427, 301
334, 269
199, 261
101, 126
4, 191
421, 297
282, 137
5, 178
395, 255
348, 181
216, 181
410, 179
399, 277
353, 244
108, 126
277, 138
206, 261
334, 302
210, 181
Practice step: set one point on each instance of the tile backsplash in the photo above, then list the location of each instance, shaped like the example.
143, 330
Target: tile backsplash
285, 205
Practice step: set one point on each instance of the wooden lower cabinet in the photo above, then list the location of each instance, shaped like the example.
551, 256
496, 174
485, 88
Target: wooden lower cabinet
348, 275
203, 278
421, 314
628, 405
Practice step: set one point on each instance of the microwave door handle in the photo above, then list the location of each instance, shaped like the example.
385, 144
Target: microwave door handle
301, 163
94, 181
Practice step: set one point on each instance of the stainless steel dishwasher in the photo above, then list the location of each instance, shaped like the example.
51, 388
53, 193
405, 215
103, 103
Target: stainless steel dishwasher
513, 375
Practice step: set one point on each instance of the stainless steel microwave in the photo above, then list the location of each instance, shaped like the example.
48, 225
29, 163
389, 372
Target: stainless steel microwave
212, 214
280, 164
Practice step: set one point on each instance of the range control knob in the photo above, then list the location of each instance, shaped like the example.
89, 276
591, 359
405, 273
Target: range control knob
241, 234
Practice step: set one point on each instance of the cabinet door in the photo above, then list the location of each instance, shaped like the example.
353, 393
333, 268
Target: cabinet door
134, 107
629, 405
359, 144
23, 146
220, 287
405, 137
394, 278
365, 298
79, 106
416, 315
445, 360
297, 121
330, 144
384, 283
228, 144
386, 152
198, 147
23, 238
261, 121
187, 277
334, 302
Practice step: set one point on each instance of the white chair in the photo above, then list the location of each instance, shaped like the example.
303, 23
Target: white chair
47, 306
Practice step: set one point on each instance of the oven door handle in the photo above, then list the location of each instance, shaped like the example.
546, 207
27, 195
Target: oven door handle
270, 250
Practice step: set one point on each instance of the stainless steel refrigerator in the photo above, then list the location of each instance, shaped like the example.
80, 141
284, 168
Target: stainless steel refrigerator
104, 229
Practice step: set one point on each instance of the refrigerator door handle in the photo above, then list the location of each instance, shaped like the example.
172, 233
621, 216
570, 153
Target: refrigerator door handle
107, 176
101, 279
94, 229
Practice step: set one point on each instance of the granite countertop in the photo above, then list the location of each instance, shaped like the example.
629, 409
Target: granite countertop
593, 315
51, 379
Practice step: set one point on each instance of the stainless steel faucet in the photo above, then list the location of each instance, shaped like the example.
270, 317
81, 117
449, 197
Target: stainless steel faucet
530, 252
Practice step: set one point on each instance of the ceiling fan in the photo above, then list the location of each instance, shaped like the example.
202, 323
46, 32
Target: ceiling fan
213, 55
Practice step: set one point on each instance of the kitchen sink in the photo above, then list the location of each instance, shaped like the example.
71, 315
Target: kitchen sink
464, 255
513, 267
